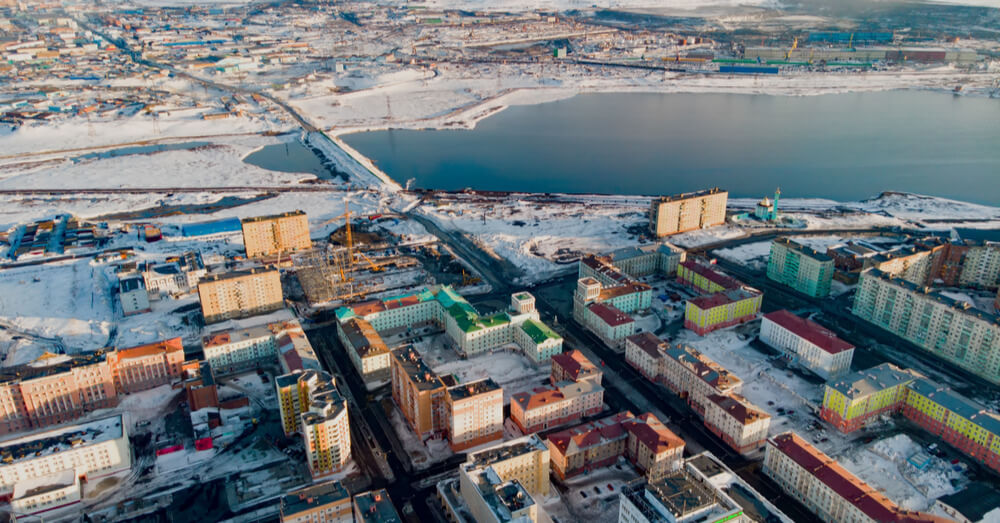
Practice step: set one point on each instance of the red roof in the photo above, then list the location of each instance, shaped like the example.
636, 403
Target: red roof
739, 408
810, 331
574, 363
723, 298
653, 433
165, 346
712, 275
648, 342
610, 314
592, 433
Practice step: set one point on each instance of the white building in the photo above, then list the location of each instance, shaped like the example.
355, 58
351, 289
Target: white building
808, 343
132, 294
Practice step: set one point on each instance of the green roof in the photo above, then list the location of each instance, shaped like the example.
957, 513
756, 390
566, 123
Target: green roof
538, 331
499, 318
344, 313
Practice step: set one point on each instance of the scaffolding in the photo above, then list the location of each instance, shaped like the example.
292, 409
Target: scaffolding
325, 274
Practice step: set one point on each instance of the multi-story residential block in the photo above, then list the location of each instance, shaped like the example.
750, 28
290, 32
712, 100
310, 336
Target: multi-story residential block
525, 459
327, 502
601, 282
368, 353
688, 211
687, 372
855, 399
573, 366
702, 490
297, 391
132, 295
643, 351
808, 343
279, 343
491, 499
949, 329
705, 314
176, 275
981, 265
705, 278
475, 414
419, 393
326, 431
471, 333
609, 323
636, 262
240, 294
147, 366
90, 450
738, 422
550, 407
643, 440
800, 267
277, 234
55, 389
38, 497
375, 506
826, 488
917, 264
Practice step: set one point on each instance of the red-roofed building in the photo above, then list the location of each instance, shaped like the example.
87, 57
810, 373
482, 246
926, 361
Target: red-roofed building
827, 489
573, 366
705, 278
609, 323
812, 345
705, 314
548, 407
147, 366
738, 422
644, 440
644, 351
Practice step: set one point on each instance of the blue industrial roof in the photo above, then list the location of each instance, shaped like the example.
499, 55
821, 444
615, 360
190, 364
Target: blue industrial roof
211, 227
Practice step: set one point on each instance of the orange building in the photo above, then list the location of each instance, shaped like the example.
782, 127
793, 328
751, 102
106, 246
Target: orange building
147, 366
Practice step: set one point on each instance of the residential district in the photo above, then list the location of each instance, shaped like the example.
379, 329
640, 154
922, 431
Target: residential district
214, 309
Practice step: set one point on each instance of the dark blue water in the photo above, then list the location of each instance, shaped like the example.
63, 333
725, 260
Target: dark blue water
288, 157
844, 147
140, 149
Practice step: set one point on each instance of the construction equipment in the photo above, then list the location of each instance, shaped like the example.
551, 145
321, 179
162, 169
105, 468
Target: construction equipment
371, 264
468, 279
795, 43
347, 230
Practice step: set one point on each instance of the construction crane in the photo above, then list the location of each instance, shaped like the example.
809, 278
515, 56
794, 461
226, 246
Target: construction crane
347, 230
371, 264
795, 43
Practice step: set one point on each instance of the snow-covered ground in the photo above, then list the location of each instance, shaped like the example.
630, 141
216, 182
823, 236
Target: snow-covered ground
883, 465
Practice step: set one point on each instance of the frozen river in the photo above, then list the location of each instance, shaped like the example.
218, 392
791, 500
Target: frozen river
845, 146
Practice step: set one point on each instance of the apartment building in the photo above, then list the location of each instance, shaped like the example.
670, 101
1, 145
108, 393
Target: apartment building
147, 366
276, 234
705, 314
240, 294
687, 372
827, 489
636, 262
55, 389
601, 282
375, 506
475, 414
491, 499
419, 393
573, 366
807, 343
737, 422
326, 431
855, 399
525, 459
563, 403
41, 495
648, 444
368, 353
643, 352
946, 328
687, 212
327, 502
705, 278
91, 450
297, 391
278, 343
800, 267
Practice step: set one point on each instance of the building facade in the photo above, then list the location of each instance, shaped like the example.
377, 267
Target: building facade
132, 295
800, 267
419, 393
475, 414
705, 314
276, 234
807, 343
147, 366
687, 212
563, 403
857, 398
946, 328
368, 353
737, 422
327, 502
240, 294
687, 372
573, 366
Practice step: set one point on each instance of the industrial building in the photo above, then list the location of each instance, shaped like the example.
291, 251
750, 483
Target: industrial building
807, 343
132, 295
687, 212
276, 234
800, 267
944, 327
240, 294
826, 488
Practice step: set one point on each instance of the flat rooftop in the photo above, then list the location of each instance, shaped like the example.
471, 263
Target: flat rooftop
40, 444
419, 373
273, 216
689, 195
803, 249
467, 390
313, 496
505, 451
375, 506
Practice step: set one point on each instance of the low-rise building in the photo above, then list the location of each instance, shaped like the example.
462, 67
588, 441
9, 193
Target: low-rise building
738, 422
475, 414
548, 407
375, 506
176, 275
687, 372
369, 354
573, 366
240, 294
807, 343
91, 450
800, 267
826, 488
705, 314
327, 502
525, 459
132, 295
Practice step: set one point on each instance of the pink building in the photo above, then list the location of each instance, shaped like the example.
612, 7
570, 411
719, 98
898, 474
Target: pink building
147, 366
548, 407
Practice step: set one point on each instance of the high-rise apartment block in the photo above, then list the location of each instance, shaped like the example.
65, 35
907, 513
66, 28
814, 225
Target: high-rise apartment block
947, 328
475, 414
240, 294
800, 267
500, 484
276, 234
419, 393
310, 404
687, 212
